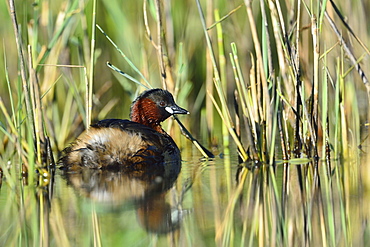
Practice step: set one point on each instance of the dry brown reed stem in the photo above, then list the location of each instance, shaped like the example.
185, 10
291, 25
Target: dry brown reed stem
282, 134
88, 98
157, 46
146, 24
266, 97
342, 18
169, 30
315, 103
85, 39
161, 46
254, 110
254, 91
209, 72
222, 71
166, 77
295, 56
90, 79
23, 72
296, 69
349, 53
159, 42
279, 35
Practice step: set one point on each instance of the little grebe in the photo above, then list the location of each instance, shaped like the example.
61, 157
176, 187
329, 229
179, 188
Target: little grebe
136, 146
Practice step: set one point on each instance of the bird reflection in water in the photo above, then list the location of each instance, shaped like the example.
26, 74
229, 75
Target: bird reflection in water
115, 190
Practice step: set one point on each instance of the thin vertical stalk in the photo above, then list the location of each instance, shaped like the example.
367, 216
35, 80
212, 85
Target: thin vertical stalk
278, 26
295, 60
254, 90
44, 225
222, 62
35, 29
23, 72
9, 88
160, 44
209, 73
91, 70
337, 112
316, 56
324, 112
274, 127
36, 107
266, 42
342, 114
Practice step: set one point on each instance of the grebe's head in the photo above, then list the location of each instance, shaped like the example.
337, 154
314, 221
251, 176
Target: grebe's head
154, 106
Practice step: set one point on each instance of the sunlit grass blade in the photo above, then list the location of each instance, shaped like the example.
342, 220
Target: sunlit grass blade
132, 65
114, 68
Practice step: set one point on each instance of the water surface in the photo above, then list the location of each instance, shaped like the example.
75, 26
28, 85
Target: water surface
213, 202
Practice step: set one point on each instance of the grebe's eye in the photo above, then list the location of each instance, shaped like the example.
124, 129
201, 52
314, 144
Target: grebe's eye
162, 104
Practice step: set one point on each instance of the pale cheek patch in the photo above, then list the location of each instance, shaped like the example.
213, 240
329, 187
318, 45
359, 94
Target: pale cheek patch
169, 110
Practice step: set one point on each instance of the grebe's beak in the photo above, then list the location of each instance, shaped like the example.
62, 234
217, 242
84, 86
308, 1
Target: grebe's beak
175, 109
